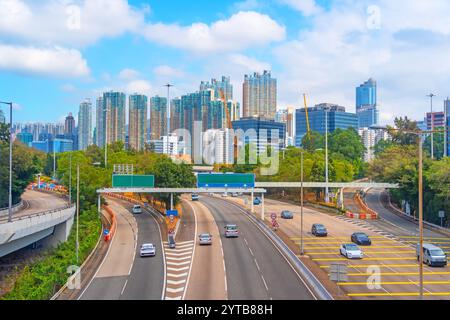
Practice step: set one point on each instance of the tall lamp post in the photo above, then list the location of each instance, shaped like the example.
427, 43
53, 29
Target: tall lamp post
10, 160
431, 95
419, 134
327, 199
168, 107
301, 204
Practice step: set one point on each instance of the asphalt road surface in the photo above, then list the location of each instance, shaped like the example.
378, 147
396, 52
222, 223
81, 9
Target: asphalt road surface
255, 269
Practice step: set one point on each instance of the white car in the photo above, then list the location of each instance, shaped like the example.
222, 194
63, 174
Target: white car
205, 239
148, 250
137, 209
351, 251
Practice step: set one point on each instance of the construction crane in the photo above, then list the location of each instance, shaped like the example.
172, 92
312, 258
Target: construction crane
307, 116
225, 107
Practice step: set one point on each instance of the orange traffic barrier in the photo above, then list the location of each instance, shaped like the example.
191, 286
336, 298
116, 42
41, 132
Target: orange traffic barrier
113, 227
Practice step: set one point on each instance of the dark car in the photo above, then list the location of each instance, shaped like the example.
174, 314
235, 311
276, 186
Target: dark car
319, 230
285, 214
171, 241
361, 238
257, 201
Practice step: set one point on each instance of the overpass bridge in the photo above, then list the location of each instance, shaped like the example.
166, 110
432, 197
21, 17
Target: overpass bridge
35, 224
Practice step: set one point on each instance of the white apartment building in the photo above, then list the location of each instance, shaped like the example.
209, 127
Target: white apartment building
370, 138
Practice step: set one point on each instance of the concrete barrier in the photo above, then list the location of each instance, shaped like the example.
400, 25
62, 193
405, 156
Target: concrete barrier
17, 207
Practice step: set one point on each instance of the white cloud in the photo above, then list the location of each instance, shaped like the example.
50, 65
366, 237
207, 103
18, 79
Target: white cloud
56, 61
306, 7
240, 31
407, 55
128, 74
68, 87
168, 72
249, 64
65, 23
138, 86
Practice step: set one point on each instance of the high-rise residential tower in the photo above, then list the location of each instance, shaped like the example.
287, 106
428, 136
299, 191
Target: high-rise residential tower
158, 117
100, 116
216, 85
69, 127
260, 95
114, 104
85, 125
137, 121
366, 104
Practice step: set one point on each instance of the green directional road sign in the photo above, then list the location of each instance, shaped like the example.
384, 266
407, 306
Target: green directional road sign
133, 181
225, 180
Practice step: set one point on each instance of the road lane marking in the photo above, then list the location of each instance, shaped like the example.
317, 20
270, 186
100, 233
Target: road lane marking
399, 274
178, 263
174, 282
193, 251
381, 266
390, 283
366, 252
373, 247
341, 242
334, 238
124, 286
397, 294
173, 275
265, 284
178, 259
178, 269
174, 290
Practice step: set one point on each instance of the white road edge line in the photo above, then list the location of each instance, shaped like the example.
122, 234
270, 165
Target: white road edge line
193, 251
101, 264
124, 286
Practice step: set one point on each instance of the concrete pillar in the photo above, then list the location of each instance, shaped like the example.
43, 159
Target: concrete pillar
171, 201
341, 198
251, 203
99, 206
262, 207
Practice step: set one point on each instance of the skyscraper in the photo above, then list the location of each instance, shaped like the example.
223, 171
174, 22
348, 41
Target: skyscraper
260, 95
100, 116
2, 117
158, 117
137, 121
216, 85
69, 126
366, 104
85, 125
114, 104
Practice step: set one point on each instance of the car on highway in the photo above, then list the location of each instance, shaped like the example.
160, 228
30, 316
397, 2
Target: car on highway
286, 214
256, 201
432, 255
224, 195
351, 251
231, 231
148, 250
171, 242
137, 209
205, 239
319, 230
361, 238
194, 197
234, 194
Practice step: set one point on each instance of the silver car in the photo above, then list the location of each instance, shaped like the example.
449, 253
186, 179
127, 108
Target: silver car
148, 250
205, 239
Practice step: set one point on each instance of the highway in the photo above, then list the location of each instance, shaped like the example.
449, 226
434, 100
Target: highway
255, 269
37, 202
124, 275
392, 254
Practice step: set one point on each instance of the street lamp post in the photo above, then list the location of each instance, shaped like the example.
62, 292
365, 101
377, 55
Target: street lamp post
420, 135
301, 204
168, 107
10, 161
78, 210
70, 179
326, 156
431, 95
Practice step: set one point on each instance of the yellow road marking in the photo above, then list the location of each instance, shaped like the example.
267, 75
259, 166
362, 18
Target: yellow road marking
397, 294
373, 247
391, 283
434, 242
426, 238
356, 266
336, 238
398, 274
365, 252
365, 259
340, 242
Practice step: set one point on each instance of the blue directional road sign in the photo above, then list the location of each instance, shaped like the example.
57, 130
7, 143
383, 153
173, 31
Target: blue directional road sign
172, 213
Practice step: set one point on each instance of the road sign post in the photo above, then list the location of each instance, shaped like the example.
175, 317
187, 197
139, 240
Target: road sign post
338, 274
442, 216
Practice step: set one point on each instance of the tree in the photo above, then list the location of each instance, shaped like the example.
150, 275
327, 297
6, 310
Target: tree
4, 132
438, 144
399, 136
313, 141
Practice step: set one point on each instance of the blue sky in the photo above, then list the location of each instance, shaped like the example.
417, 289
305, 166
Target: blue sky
56, 53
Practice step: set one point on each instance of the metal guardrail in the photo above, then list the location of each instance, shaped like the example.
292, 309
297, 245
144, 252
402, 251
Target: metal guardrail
38, 214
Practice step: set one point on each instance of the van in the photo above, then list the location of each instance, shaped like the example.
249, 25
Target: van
432, 255
171, 240
137, 209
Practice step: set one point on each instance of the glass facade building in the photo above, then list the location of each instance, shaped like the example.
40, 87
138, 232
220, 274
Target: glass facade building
447, 127
85, 125
366, 104
158, 117
338, 118
114, 106
259, 95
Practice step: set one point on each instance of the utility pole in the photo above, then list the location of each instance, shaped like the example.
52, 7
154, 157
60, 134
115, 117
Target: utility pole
421, 214
301, 205
54, 160
78, 210
431, 95
106, 139
70, 179
10, 160
168, 107
326, 156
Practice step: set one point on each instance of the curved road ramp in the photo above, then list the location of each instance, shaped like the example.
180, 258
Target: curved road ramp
43, 217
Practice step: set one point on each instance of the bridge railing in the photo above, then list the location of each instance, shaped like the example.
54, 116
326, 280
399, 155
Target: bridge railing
38, 214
